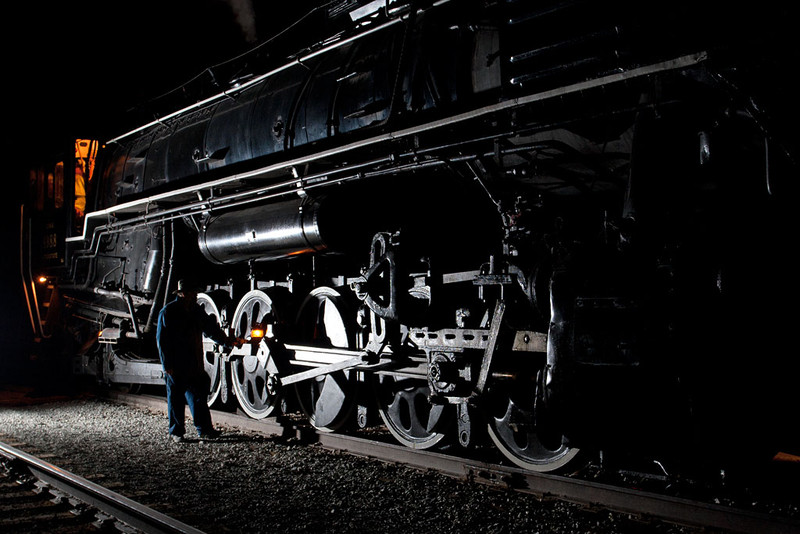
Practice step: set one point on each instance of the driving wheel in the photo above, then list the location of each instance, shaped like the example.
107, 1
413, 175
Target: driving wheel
324, 321
211, 358
404, 407
514, 430
250, 374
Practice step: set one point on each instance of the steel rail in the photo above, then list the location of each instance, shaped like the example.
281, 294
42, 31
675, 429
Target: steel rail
680, 511
118, 506
676, 510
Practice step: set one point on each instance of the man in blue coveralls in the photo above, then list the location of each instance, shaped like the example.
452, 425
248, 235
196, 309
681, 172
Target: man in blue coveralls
181, 325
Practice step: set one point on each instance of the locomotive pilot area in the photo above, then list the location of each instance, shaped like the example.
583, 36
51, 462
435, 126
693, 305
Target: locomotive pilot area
500, 266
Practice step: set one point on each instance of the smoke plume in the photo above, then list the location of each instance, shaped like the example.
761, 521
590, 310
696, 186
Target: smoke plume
245, 17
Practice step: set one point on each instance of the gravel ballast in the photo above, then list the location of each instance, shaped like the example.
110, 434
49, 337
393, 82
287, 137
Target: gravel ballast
247, 482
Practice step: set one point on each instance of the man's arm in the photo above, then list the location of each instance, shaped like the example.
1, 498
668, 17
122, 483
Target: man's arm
212, 329
165, 343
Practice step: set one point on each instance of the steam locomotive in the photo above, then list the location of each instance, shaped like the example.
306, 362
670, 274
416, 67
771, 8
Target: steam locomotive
566, 225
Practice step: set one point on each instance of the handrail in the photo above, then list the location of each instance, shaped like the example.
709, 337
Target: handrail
28, 284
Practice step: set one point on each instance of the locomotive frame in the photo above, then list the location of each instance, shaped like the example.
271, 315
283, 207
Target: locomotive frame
467, 217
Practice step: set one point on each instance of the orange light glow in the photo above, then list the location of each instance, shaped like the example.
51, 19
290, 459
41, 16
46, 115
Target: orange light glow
256, 333
42, 279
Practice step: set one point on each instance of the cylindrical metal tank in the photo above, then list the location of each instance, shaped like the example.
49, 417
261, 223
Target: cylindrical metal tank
261, 233
152, 270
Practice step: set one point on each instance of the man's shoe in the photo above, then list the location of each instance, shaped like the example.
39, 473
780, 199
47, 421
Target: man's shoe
211, 434
176, 438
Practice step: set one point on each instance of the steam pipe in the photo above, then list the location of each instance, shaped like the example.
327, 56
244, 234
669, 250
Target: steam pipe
160, 285
129, 301
171, 261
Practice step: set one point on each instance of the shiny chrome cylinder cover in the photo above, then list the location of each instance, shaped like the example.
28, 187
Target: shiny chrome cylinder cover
262, 233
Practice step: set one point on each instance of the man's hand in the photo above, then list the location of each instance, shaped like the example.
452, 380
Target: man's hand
235, 341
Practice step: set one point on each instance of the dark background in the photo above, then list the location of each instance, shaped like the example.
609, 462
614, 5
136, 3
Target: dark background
79, 68
88, 70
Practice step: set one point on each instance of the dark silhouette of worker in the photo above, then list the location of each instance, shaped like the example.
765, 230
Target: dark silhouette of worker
181, 325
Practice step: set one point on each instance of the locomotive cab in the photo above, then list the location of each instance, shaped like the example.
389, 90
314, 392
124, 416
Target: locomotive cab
59, 193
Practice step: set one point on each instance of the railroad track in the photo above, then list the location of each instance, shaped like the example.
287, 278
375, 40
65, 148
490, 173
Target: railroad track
40, 497
590, 494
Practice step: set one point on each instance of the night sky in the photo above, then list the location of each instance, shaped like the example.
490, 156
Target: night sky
79, 69
81, 66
